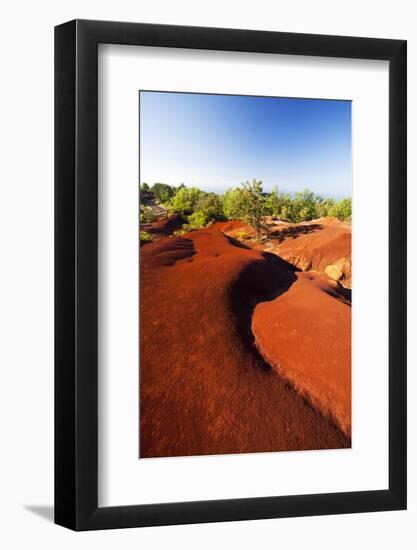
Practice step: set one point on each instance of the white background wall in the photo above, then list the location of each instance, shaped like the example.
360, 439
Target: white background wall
26, 273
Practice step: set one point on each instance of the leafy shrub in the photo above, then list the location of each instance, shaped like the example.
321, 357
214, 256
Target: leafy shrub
176, 189
232, 204
274, 203
344, 210
210, 205
146, 214
306, 206
185, 199
248, 204
280, 205
180, 232
197, 221
252, 205
162, 192
325, 208
145, 237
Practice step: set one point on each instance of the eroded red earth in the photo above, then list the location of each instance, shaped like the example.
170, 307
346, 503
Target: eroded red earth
240, 351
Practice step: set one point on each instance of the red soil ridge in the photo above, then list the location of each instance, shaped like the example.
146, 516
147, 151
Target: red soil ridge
311, 245
204, 387
305, 334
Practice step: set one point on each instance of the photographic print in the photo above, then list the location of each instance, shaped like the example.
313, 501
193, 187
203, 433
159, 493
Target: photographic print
245, 207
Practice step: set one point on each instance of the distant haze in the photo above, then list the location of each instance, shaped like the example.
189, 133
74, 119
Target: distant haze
215, 142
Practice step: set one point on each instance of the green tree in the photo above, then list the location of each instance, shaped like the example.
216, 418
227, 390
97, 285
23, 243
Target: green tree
162, 192
186, 199
232, 204
343, 209
278, 204
304, 206
146, 214
253, 208
287, 210
197, 220
144, 193
273, 203
210, 205
180, 186
145, 237
324, 207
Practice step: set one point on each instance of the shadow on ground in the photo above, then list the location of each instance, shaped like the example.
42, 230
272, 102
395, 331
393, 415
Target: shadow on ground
260, 281
45, 512
294, 232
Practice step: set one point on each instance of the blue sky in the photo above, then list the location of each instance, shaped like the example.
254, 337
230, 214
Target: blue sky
218, 141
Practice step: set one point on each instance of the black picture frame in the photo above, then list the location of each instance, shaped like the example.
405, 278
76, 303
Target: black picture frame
76, 272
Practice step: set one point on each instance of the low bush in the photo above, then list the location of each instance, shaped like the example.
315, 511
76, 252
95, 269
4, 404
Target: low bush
198, 220
185, 199
146, 214
180, 232
211, 206
145, 237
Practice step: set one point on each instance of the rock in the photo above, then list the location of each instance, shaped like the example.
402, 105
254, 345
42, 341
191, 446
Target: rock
334, 272
304, 264
344, 264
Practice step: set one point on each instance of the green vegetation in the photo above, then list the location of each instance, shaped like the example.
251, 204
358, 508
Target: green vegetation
179, 232
145, 237
162, 192
146, 214
185, 200
210, 205
252, 206
144, 192
306, 206
232, 203
197, 220
248, 203
342, 210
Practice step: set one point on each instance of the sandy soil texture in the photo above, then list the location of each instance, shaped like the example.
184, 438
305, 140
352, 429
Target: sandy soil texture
206, 386
305, 334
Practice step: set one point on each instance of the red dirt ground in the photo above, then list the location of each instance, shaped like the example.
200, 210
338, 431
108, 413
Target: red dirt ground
204, 387
164, 226
305, 335
311, 245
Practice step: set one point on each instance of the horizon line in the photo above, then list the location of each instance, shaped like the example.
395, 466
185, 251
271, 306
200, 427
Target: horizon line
231, 187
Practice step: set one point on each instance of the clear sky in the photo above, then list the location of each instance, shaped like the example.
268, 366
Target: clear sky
218, 141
